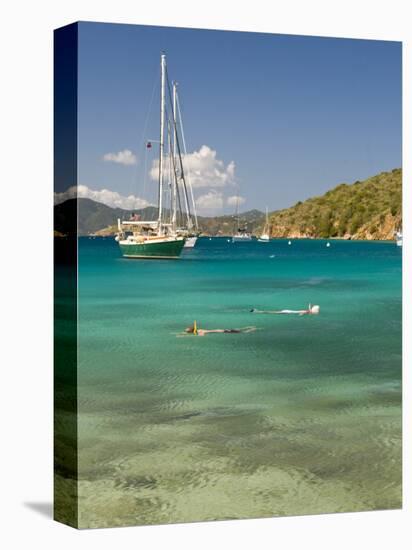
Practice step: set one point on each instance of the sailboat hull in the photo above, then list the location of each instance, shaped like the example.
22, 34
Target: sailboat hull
190, 242
241, 238
153, 250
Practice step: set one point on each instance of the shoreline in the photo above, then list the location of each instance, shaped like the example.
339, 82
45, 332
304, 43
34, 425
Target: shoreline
255, 237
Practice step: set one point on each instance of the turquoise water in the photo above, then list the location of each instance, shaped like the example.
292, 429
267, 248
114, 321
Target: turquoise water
303, 415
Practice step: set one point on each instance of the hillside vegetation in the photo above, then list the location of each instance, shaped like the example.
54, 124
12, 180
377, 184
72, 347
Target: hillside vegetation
369, 209
99, 219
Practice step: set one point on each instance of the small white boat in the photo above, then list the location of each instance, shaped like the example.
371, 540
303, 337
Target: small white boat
265, 236
399, 238
241, 235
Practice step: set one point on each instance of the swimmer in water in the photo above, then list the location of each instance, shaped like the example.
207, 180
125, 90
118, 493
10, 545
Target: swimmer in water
312, 310
202, 331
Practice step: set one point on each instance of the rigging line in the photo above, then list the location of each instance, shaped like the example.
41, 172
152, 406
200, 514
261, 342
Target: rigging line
174, 170
145, 173
176, 182
180, 205
170, 172
144, 132
173, 159
185, 152
236, 213
182, 176
167, 190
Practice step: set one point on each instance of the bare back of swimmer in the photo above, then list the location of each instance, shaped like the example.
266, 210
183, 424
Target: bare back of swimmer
202, 331
312, 310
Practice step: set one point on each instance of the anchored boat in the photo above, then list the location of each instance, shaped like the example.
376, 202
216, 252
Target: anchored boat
399, 237
145, 240
242, 234
265, 236
162, 237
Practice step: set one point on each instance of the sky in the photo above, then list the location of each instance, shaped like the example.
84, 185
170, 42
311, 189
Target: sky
272, 119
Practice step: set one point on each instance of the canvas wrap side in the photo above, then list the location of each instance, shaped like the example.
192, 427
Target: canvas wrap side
65, 279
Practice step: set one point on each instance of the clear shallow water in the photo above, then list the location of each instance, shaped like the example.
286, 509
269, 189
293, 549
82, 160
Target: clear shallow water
301, 416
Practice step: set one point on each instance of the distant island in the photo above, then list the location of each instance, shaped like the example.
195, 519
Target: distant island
369, 209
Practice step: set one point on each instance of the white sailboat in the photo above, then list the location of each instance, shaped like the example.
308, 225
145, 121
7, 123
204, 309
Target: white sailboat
399, 237
242, 234
265, 236
161, 238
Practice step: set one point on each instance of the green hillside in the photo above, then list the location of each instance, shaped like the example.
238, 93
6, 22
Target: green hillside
369, 209
227, 225
97, 218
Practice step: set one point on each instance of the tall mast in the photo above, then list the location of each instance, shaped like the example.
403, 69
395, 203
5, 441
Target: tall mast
162, 124
182, 178
187, 168
174, 182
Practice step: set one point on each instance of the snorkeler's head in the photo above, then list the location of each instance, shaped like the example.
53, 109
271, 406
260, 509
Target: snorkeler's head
192, 329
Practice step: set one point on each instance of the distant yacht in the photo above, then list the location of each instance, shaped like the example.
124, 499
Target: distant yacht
242, 234
157, 238
399, 237
265, 236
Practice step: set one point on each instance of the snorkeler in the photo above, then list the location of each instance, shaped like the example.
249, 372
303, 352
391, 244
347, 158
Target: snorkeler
202, 331
312, 310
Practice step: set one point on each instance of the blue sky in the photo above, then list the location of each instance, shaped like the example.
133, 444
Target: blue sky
277, 118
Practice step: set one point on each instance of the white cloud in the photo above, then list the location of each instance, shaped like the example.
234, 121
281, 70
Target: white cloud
105, 196
205, 169
211, 200
235, 200
70, 193
125, 157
